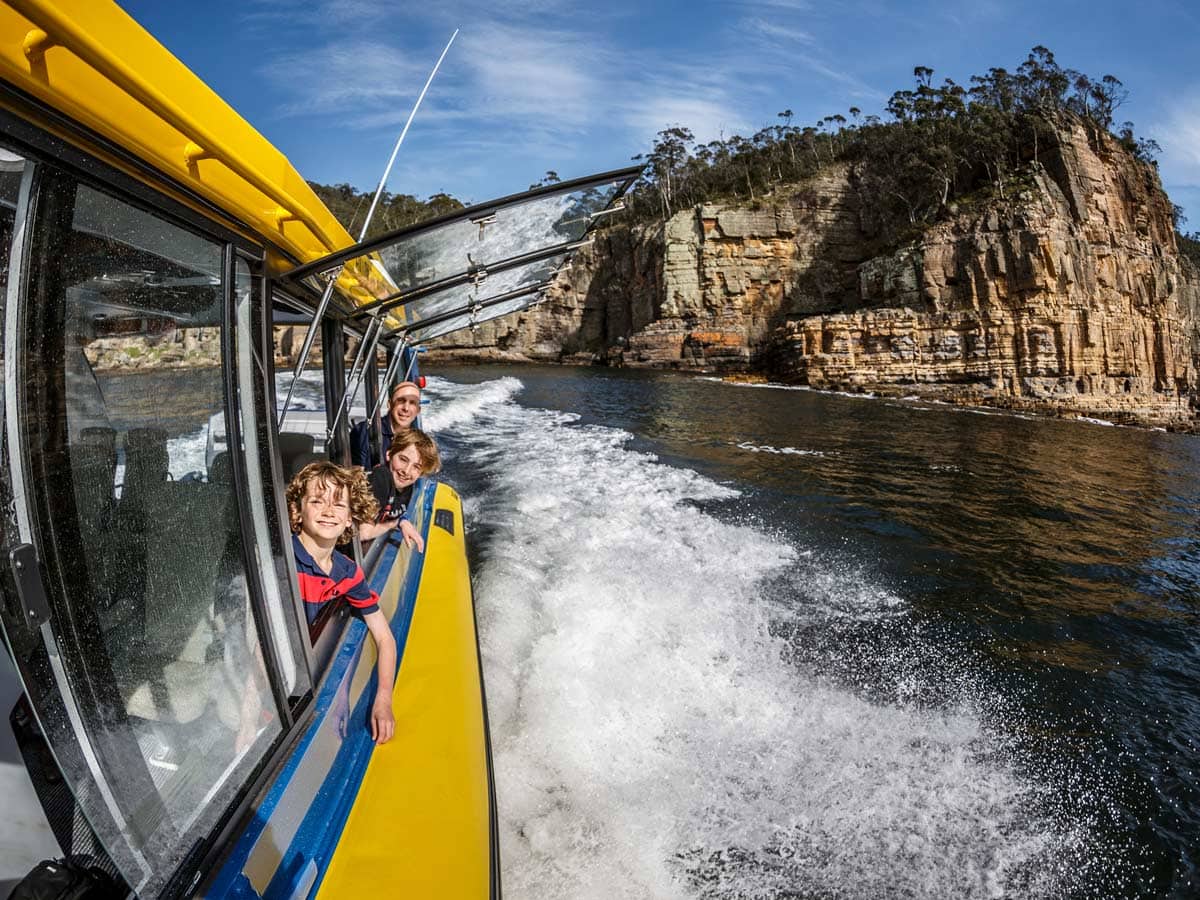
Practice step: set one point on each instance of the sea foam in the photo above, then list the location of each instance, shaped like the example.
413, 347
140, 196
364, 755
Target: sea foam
653, 732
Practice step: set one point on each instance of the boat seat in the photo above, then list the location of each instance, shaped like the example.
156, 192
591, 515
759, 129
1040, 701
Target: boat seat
301, 461
189, 603
293, 444
220, 470
93, 476
146, 466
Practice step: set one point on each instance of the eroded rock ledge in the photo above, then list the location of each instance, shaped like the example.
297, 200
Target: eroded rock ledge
1070, 296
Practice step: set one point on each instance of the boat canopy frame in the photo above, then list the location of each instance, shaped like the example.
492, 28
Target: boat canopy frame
460, 289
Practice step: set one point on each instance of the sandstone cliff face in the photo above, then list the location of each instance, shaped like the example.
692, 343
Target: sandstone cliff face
1071, 296
704, 290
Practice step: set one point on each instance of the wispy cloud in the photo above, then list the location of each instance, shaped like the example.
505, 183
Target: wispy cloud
776, 33
1178, 134
276, 14
543, 84
1179, 137
337, 77
785, 49
519, 95
790, 5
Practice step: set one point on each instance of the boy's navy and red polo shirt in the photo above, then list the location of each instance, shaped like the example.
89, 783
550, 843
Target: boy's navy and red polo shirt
345, 579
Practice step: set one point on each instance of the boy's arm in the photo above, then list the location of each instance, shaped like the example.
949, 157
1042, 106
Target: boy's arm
408, 528
410, 511
383, 723
411, 536
368, 531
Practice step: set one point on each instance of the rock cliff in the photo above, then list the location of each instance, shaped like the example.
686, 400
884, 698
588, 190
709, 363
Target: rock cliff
1070, 294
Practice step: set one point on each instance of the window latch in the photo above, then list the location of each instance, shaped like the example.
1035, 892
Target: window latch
27, 574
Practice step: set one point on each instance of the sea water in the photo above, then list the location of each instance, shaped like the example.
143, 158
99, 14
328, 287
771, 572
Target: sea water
773, 643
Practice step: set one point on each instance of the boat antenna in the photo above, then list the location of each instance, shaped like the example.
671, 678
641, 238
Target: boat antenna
302, 359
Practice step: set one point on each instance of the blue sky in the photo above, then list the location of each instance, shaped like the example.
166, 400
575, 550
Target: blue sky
582, 87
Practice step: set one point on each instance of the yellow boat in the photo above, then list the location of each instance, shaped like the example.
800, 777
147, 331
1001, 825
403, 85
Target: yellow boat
184, 731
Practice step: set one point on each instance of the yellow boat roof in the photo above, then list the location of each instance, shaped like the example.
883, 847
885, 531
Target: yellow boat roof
91, 61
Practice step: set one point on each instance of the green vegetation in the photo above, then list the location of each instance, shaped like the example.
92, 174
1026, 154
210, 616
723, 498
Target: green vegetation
938, 150
350, 207
1189, 247
939, 146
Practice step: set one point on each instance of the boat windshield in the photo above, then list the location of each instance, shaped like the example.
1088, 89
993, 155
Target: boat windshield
474, 264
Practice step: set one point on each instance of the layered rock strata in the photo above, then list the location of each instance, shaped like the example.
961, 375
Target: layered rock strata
1073, 298
1069, 296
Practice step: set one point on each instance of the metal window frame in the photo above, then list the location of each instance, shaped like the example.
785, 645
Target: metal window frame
235, 446
90, 159
325, 263
402, 299
481, 305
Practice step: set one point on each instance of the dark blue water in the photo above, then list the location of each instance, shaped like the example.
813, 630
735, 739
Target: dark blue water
746, 641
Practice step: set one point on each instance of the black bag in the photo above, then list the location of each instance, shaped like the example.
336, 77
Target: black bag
62, 879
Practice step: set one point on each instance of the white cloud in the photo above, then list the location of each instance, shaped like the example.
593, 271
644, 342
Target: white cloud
1179, 137
337, 77
785, 49
775, 32
511, 95
707, 119
1178, 134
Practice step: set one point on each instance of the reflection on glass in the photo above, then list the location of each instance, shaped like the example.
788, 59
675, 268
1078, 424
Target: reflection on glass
467, 319
255, 429
12, 168
158, 573
522, 227
464, 296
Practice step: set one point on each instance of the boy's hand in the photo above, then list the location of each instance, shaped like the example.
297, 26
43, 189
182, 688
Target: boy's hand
412, 537
383, 723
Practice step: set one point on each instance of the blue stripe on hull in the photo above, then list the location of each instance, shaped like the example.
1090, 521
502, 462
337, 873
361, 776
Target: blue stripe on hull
328, 808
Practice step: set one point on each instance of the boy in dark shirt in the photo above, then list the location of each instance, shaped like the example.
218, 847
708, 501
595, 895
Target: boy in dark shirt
411, 454
324, 501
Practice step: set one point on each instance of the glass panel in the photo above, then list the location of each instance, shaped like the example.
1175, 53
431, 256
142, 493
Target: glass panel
464, 295
426, 256
28, 836
466, 320
265, 507
138, 519
302, 432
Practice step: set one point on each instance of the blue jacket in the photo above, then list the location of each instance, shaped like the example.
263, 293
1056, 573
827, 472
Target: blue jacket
360, 443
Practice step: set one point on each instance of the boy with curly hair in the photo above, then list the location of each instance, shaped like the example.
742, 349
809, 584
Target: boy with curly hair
324, 503
411, 455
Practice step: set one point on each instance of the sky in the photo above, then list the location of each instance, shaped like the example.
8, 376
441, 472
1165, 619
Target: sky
582, 87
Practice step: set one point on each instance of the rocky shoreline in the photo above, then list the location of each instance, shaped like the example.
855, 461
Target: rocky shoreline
1069, 297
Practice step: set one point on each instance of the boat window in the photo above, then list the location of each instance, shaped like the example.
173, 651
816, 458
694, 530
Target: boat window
267, 506
485, 236
11, 168
137, 519
302, 433
462, 298
491, 308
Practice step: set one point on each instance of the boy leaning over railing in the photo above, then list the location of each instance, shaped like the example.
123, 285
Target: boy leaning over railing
325, 501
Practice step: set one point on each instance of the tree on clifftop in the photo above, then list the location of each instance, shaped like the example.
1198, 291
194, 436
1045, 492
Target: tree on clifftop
665, 164
938, 144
